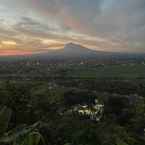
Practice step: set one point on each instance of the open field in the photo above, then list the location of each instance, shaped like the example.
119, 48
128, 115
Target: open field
123, 71
128, 71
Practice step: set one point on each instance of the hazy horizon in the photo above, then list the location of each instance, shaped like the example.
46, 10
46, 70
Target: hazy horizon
32, 26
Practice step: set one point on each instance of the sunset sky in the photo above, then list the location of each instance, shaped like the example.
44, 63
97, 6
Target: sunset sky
31, 26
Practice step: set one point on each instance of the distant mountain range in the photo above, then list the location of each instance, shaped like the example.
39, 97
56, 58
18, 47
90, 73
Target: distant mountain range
72, 50
75, 51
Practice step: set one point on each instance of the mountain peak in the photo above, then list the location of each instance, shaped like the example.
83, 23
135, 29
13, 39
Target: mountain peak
73, 46
76, 50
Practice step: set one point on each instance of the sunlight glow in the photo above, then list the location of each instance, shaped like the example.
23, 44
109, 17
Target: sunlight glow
50, 41
13, 43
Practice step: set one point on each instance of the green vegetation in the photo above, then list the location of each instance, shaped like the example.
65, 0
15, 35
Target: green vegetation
73, 105
33, 113
122, 71
32, 70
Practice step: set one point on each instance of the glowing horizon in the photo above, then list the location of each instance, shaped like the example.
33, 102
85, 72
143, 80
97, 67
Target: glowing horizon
14, 53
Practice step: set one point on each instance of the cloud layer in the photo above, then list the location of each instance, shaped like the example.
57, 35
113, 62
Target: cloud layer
111, 25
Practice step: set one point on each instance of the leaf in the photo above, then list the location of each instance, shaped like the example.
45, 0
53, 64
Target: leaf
120, 142
28, 135
5, 115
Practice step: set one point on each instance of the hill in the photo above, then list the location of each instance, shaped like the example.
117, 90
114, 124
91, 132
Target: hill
72, 51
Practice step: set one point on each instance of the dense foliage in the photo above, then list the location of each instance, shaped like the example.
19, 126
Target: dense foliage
72, 112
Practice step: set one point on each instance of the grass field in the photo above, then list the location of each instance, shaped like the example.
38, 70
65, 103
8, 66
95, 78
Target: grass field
123, 71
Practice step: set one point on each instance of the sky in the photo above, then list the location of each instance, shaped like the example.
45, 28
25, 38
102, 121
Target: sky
32, 26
